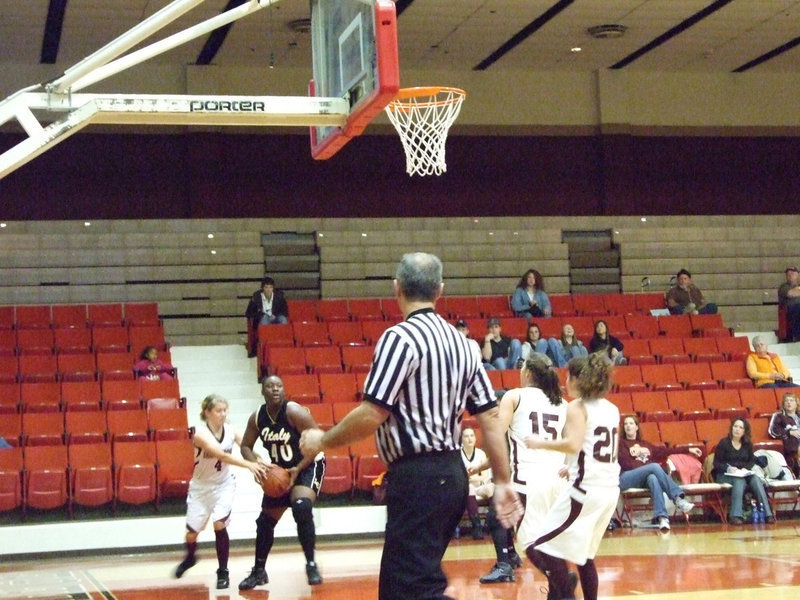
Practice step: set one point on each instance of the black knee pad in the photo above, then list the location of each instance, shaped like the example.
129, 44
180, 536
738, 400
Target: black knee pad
265, 522
301, 510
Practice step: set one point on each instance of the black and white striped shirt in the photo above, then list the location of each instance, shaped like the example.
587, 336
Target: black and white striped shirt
426, 374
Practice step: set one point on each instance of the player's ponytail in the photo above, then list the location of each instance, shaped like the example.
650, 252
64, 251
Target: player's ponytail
544, 376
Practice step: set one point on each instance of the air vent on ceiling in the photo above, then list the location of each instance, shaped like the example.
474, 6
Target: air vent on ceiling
603, 32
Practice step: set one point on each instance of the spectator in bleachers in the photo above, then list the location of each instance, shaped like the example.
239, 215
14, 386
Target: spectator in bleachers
266, 307
499, 351
463, 329
149, 366
734, 460
567, 346
481, 487
789, 298
529, 298
686, 298
603, 341
785, 426
767, 369
640, 467
534, 342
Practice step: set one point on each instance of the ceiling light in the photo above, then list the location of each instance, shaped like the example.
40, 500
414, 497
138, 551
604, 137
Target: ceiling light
602, 32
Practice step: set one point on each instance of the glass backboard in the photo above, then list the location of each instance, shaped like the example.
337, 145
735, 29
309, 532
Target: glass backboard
354, 44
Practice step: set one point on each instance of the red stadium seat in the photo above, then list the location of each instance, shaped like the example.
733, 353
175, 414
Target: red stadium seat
669, 350
11, 428
323, 416
346, 333
643, 326
303, 388
77, 367
142, 313
709, 326
88, 427
141, 336
285, 361
660, 377
735, 348
628, 378
121, 395
647, 301
175, 467
677, 434
761, 402
167, 424
11, 466
494, 306
73, 339
40, 396
622, 400
333, 310
373, 330
357, 358
7, 317
365, 309
127, 425
42, 429
33, 317
647, 404
391, 310
324, 359
105, 315
159, 388
342, 409
115, 365
70, 315
311, 333
35, 341
338, 387
620, 304
45, 477
368, 468
590, 305
9, 399
461, 307
685, 400
675, 326
110, 339
302, 310
91, 480
38, 368
696, 376
338, 475
561, 305
731, 374
134, 472
702, 349
637, 351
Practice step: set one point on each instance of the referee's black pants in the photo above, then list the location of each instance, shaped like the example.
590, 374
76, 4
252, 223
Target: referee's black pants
426, 496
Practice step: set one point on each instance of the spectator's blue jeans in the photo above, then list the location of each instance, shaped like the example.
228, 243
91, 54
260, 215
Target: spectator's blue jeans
654, 477
738, 486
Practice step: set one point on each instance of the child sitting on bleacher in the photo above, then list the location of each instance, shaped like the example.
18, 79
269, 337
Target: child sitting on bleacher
150, 367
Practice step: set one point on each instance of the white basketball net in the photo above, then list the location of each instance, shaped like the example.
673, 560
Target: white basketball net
422, 117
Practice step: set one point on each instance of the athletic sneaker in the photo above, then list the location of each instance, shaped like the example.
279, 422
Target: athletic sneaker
663, 524
501, 573
185, 565
312, 574
573, 583
258, 576
683, 505
223, 580
514, 560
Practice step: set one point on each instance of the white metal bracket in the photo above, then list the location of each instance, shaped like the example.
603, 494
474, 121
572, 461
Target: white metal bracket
68, 112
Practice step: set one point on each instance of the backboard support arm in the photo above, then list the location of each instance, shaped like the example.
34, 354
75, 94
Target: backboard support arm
68, 112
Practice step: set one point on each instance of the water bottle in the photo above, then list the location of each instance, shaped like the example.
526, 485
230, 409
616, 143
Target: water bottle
762, 516
753, 512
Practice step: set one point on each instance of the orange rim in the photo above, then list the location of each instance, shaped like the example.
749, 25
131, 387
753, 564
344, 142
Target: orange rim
422, 92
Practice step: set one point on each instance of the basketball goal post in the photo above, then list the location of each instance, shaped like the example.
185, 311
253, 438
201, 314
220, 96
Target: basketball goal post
51, 112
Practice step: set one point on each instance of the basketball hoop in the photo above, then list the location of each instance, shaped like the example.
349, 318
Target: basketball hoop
422, 117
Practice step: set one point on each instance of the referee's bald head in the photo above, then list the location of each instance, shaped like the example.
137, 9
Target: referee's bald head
419, 276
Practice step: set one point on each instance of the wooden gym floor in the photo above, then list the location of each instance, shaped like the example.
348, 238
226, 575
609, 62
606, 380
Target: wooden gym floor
708, 562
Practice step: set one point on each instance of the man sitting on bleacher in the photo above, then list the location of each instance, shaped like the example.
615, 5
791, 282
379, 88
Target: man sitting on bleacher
789, 297
686, 298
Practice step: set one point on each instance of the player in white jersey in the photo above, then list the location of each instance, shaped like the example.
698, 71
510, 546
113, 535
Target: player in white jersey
534, 408
575, 524
213, 484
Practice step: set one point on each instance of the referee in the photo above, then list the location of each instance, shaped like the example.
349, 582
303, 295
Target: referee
424, 375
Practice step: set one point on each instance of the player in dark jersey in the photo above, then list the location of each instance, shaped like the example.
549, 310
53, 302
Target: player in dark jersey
279, 423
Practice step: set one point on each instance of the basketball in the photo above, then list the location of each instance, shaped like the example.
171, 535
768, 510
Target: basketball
275, 482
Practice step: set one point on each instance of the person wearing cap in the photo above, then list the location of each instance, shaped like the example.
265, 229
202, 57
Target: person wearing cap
499, 351
789, 298
463, 329
686, 298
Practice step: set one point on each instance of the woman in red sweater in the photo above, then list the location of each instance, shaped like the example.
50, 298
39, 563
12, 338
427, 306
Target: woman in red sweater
640, 467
